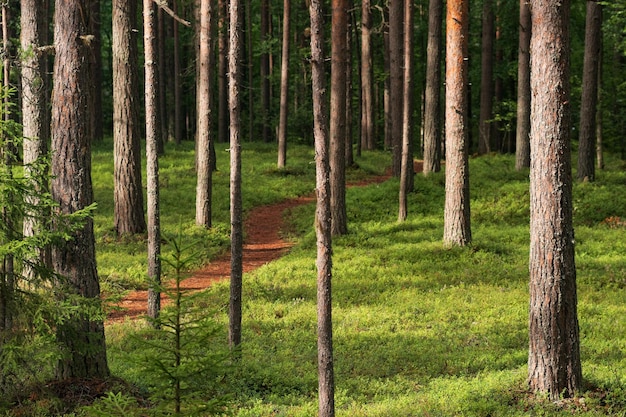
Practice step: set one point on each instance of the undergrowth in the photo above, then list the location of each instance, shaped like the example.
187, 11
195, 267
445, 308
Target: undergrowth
419, 330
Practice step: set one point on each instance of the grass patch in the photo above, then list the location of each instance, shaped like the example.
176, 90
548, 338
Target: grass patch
419, 330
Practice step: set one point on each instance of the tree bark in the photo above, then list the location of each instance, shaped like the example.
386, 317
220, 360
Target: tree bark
71, 187
323, 221
152, 158
367, 78
589, 99
554, 354
266, 130
522, 147
222, 75
284, 89
457, 230
35, 113
128, 191
236, 211
486, 80
339, 29
406, 175
178, 89
95, 69
204, 166
396, 20
432, 107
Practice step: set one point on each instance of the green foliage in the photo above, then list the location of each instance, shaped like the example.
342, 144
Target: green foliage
30, 292
181, 361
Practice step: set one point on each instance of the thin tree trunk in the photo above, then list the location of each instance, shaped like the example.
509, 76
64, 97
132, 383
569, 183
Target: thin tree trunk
178, 89
325, 371
554, 350
522, 146
95, 67
486, 82
367, 78
81, 336
222, 75
599, 118
589, 99
407, 171
396, 57
457, 230
236, 211
339, 28
152, 160
163, 75
204, 166
284, 89
35, 113
266, 130
432, 99
250, 67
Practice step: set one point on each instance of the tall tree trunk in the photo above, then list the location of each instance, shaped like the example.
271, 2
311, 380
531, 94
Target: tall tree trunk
128, 192
163, 75
339, 29
432, 107
589, 99
266, 130
407, 171
284, 89
457, 230
95, 68
250, 67
554, 353
81, 336
236, 211
486, 80
179, 123
396, 19
599, 130
35, 113
323, 221
522, 144
222, 74
348, 148
152, 158
367, 78
204, 186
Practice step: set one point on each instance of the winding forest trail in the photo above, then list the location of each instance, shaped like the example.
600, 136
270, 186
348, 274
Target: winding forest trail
263, 244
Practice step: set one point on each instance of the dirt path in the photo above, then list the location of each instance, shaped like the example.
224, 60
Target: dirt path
263, 245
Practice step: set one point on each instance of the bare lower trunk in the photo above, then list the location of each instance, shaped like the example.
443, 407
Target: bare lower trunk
367, 75
406, 175
486, 82
432, 107
284, 89
457, 229
522, 147
554, 354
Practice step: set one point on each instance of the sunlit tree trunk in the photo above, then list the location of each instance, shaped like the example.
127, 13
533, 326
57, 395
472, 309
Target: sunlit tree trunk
406, 175
325, 371
432, 106
457, 230
284, 89
589, 99
236, 210
522, 146
367, 78
204, 164
554, 364
152, 159
75, 260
